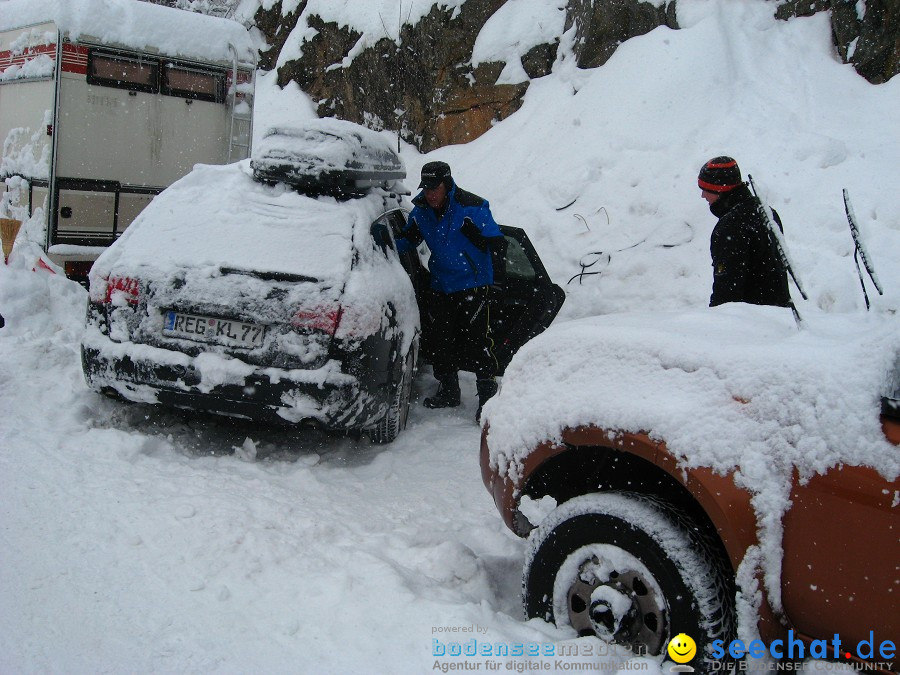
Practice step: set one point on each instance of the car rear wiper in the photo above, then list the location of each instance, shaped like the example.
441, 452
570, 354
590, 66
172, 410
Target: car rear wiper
269, 276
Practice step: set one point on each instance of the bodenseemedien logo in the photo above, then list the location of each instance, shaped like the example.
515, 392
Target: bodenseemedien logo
682, 649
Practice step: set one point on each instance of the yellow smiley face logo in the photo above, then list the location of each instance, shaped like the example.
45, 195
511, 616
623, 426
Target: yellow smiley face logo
682, 648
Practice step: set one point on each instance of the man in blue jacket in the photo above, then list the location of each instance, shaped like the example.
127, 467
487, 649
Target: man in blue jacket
467, 272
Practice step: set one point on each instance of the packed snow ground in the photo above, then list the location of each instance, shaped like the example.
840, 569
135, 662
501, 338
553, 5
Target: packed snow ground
134, 539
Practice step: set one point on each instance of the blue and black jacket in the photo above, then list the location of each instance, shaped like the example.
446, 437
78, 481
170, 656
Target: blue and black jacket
467, 247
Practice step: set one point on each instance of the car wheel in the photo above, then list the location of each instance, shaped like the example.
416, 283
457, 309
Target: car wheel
394, 420
632, 571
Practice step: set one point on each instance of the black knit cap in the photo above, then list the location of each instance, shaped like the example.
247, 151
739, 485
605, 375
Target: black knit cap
720, 174
435, 173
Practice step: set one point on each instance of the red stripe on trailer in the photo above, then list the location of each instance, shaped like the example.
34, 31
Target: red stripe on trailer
243, 77
9, 58
74, 58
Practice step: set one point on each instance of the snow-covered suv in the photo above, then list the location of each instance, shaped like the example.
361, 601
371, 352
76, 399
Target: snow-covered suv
273, 289
268, 289
716, 473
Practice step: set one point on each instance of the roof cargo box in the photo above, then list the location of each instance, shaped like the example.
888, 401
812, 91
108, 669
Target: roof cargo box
327, 156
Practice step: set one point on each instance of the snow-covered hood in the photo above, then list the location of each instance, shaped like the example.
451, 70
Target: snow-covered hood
736, 387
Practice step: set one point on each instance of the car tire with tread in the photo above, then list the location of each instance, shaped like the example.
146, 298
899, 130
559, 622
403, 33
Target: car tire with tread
633, 571
394, 420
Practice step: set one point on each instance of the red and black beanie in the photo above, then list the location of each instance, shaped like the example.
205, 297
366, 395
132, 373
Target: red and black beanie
720, 174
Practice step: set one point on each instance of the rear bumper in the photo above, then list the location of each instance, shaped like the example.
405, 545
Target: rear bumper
326, 397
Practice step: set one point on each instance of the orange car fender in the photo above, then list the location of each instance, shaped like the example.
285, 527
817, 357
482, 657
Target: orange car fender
727, 505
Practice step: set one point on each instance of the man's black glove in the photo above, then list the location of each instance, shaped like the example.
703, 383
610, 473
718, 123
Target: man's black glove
411, 233
473, 234
496, 290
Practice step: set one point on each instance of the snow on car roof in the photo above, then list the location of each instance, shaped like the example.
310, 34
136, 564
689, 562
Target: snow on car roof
136, 25
219, 216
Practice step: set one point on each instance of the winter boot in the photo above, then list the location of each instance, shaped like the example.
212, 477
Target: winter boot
447, 395
486, 389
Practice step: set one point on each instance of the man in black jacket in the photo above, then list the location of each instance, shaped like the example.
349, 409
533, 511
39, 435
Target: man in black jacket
746, 264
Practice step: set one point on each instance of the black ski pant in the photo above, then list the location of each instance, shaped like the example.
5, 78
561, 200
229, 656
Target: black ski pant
461, 335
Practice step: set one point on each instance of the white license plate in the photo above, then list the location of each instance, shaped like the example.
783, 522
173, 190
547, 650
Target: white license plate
210, 329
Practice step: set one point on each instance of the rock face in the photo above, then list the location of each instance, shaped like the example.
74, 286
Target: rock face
425, 85
428, 90
600, 27
866, 35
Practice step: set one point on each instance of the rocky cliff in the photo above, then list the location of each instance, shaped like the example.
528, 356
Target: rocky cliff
425, 83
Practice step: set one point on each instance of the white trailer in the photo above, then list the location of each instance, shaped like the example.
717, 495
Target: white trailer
105, 103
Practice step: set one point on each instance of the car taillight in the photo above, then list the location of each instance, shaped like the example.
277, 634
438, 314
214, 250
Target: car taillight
121, 291
324, 320
77, 269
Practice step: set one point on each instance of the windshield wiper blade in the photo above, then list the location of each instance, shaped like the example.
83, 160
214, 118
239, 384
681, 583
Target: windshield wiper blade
269, 276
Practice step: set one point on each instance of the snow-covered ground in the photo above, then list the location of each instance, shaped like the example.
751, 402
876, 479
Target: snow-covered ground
134, 539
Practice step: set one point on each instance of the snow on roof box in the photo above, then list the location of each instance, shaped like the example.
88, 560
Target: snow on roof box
136, 25
329, 156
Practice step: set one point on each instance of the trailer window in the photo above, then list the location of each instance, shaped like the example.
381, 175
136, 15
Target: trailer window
95, 212
204, 85
37, 197
130, 206
123, 72
86, 217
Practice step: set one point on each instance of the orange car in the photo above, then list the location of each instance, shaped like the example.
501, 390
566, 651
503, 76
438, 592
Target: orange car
639, 548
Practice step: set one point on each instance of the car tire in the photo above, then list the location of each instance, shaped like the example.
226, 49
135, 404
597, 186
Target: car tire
394, 420
632, 571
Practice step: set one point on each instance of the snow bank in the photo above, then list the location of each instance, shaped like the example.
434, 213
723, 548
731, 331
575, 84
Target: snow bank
516, 27
600, 166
